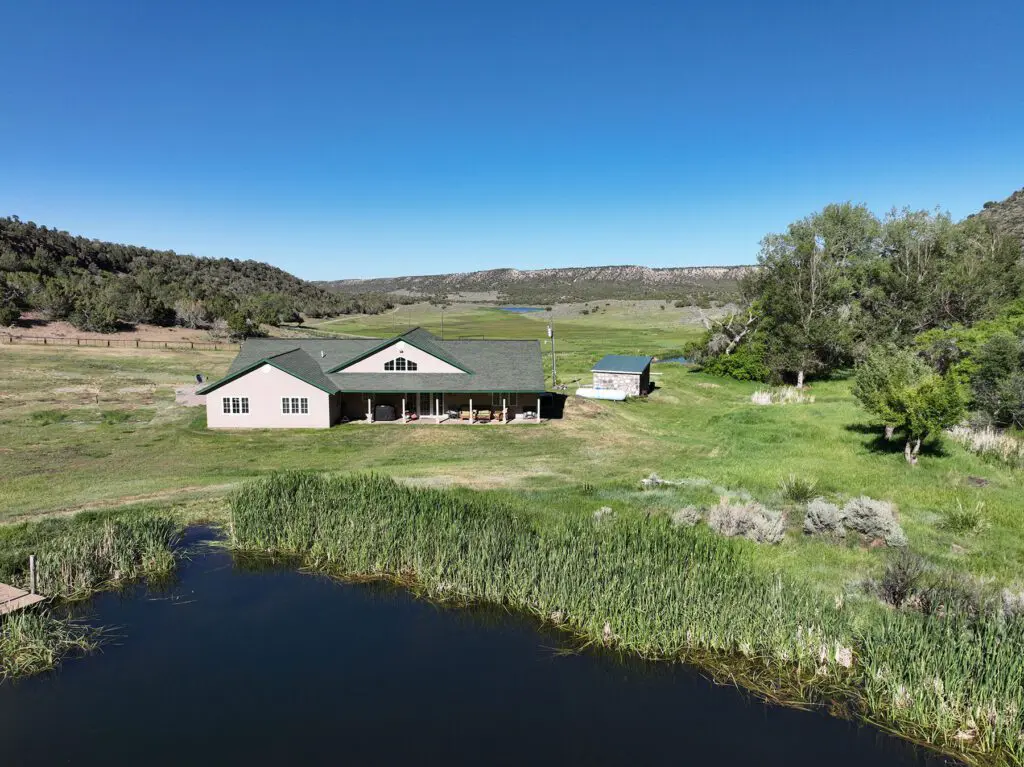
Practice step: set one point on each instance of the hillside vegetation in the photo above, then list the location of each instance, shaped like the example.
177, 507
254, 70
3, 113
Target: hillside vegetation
1006, 216
548, 286
930, 313
99, 286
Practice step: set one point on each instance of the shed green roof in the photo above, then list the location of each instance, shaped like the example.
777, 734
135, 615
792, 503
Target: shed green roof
620, 363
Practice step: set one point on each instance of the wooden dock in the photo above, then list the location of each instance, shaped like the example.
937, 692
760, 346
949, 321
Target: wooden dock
12, 599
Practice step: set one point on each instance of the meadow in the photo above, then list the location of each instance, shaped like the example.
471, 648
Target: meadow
98, 429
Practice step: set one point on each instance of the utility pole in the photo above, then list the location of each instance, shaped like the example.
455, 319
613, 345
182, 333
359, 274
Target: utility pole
554, 367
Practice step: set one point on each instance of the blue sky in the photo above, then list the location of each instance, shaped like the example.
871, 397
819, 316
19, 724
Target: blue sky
376, 137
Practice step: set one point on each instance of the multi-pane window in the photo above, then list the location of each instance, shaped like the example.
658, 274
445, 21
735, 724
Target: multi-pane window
294, 405
235, 405
400, 364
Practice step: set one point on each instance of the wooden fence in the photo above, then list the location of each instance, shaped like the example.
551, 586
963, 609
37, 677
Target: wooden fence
123, 343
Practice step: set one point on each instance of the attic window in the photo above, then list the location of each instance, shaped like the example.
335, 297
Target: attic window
401, 364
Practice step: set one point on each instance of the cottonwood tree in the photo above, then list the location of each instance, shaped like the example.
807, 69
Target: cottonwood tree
908, 397
885, 372
806, 288
725, 334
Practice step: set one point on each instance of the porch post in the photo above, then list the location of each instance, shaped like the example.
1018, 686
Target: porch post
538, 409
504, 410
369, 410
437, 409
404, 419
471, 410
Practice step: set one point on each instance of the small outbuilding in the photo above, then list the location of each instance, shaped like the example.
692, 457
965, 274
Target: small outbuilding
631, 375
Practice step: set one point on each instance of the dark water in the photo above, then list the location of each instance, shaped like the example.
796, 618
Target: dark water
680, 360
521, 309
254, 667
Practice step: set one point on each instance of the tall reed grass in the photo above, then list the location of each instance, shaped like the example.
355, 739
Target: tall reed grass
660, 591
32, 642
991, 443
75, 558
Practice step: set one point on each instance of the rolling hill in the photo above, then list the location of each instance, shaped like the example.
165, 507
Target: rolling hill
567, 284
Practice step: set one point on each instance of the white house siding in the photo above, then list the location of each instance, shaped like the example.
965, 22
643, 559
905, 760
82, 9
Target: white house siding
264, 387
425, 363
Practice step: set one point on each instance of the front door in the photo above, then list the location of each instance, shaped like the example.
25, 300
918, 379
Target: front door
426, 404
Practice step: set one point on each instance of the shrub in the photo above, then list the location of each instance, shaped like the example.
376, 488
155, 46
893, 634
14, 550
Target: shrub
797, 489
824, 518
902, 578
875, 519
746, 363
748, 520
688, 516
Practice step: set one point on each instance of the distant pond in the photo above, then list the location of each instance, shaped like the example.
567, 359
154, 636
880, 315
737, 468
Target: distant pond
236, 665
521, 309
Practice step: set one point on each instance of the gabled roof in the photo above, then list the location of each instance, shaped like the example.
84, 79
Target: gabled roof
295, 362
490, 366
620, 363
418, 337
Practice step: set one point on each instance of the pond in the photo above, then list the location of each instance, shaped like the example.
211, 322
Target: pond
521, 309
235, 665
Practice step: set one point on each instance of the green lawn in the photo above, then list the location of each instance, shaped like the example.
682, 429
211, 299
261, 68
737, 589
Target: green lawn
97, 428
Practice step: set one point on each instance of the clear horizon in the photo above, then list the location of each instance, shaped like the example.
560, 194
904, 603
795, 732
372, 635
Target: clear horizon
360, 140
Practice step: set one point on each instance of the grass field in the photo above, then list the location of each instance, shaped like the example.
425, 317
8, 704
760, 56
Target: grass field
98, 428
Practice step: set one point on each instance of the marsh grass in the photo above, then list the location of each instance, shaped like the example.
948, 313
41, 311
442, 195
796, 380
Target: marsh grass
643, 586
35, 641
75, 558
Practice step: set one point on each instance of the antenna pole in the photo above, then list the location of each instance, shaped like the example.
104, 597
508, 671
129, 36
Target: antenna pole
554, 364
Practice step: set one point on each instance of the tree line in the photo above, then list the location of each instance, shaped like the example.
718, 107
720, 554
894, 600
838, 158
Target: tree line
101, 286
928, 312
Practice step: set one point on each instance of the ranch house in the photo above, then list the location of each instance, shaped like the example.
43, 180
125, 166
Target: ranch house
316, 383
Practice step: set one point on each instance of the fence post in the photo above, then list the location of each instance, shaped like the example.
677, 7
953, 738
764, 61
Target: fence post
32, 572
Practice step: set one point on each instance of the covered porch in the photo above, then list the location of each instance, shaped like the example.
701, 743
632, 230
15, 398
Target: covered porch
442, 407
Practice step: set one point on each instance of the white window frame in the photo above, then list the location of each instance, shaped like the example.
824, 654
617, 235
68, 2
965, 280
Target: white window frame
235, 405
295, 405
400, 365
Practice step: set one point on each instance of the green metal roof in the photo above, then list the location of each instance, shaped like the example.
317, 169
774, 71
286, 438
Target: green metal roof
491, 366
620, 363
294, 361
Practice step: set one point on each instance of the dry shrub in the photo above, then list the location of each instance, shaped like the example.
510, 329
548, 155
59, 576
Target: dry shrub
990, 443
688, 516
875, 519
748, 520
824, 518
781, 395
